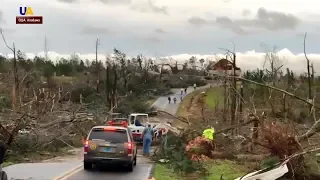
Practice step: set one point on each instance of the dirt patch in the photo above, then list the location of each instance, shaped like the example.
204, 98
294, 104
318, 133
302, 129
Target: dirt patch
188, 106
187, 103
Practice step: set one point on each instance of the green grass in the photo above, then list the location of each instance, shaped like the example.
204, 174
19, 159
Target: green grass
186, 101
229, 169
163, 172
214, 97
5, 164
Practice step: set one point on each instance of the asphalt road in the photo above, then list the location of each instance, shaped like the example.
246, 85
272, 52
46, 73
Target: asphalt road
141, 172
162, 103
39, 171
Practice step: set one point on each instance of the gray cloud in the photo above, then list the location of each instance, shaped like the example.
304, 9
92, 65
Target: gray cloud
150, 7
160, 31
195, 20
246, 12
226, 22
96, 31
68, 1
264, 19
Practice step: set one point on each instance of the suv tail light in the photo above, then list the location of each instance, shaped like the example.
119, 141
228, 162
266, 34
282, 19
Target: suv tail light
86, 146
130, 148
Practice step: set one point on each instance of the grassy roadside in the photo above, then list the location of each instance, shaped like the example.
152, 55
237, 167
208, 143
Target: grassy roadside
163, 172
214, 97
228, 169
152, 100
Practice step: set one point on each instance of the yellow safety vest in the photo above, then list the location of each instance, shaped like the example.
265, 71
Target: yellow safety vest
208, 133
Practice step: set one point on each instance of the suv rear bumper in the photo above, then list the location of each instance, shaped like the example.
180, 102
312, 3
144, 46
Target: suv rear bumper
102, 160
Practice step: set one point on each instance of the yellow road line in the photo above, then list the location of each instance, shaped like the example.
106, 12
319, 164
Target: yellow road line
69, 173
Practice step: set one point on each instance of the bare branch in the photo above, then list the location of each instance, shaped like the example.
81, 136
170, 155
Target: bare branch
5, 42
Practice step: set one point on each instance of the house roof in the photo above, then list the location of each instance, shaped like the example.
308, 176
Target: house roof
222, 64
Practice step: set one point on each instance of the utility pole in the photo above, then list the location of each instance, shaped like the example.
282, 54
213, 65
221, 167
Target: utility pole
45, 48
234, 94
241, 100
312, 73
97, 65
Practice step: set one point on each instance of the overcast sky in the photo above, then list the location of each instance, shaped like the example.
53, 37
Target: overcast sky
165, 27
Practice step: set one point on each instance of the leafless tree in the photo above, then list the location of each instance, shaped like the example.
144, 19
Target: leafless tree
232, 55
15, 87
308, 69
273, 64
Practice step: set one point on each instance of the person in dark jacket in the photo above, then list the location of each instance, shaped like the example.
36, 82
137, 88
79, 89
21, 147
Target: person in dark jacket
138, 123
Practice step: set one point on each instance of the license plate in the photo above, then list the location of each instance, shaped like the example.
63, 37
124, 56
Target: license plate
107, 149
103, 154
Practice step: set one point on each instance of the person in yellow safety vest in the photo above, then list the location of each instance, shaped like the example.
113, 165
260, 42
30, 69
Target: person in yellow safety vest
209, 133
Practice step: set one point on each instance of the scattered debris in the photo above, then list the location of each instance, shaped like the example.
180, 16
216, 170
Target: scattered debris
266, 174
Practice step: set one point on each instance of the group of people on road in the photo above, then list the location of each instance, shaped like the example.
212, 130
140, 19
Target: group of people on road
183, 92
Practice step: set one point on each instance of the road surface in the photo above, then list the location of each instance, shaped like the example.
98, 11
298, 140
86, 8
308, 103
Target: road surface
141, 172
162, 103
39, 171
73, 169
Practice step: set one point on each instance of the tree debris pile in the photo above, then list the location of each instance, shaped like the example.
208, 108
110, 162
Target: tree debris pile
280, 139
199, 148
173, 152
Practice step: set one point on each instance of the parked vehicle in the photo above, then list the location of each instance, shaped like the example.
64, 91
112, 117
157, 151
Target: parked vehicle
114, 116
138, 121
137, 130
110, 144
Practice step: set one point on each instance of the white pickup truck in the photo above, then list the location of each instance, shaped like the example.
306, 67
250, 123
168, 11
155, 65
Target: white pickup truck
138, 121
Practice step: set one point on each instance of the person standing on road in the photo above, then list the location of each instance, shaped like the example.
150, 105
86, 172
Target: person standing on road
147, 139
175, 100
181, 97
169, 99
194, 86
185, 90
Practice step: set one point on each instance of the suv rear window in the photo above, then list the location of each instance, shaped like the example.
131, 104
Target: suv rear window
110, 136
